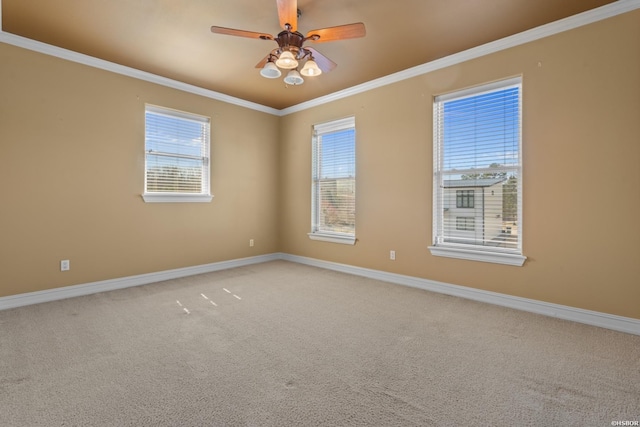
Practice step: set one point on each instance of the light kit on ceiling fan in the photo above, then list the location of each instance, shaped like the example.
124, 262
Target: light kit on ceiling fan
270, 70
293, 78
291, 51
310, 68
287, 61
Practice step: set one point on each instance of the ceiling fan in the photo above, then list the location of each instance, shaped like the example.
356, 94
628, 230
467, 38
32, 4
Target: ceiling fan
291, 50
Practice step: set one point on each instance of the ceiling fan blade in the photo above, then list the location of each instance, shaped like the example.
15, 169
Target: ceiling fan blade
341, 32
324, 63
288, 13
240, 33
263, 61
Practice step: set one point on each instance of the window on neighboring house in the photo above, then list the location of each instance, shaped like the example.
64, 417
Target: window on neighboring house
464, 223
477, 144
464, 198
177, 156
333, 204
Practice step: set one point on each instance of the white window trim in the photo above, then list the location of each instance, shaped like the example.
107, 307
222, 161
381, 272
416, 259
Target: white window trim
482, 256
179, 197
450, 250
346, 239
176, 198
340, 238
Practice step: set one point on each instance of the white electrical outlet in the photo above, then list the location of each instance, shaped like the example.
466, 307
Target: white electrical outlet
64, 265
251, 242
392, 255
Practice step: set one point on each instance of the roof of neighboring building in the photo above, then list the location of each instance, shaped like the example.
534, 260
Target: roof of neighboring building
486, 182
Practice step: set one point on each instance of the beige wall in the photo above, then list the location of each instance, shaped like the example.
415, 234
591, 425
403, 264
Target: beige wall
581, 144
71, 154
71, 176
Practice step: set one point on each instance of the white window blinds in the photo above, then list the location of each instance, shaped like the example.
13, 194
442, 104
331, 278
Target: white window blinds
334, 179
477, 169
177, 152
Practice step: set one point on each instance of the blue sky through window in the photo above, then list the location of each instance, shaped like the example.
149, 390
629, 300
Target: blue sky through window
481, 130
174, 135
338, 154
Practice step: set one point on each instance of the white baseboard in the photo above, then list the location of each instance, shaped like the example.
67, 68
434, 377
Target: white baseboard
594, 318
38, 297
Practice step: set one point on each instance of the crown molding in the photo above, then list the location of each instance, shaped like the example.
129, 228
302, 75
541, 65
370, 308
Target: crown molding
91, 61
607, 11
556, 27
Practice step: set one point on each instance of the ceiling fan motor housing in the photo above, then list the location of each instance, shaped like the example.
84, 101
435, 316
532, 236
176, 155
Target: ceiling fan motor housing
291, 41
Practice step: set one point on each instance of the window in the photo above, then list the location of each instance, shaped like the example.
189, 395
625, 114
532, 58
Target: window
333, 204
177, 156
464, 223
464, 198
477, 171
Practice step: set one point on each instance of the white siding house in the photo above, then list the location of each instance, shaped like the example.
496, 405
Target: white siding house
473, 210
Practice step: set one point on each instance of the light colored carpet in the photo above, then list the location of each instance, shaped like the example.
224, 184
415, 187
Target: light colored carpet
287, 344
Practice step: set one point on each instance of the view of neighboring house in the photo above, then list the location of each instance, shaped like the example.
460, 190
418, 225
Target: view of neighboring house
473, 210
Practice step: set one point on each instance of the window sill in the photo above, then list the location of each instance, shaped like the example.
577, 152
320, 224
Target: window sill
482, 256
176, 198
333, 238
